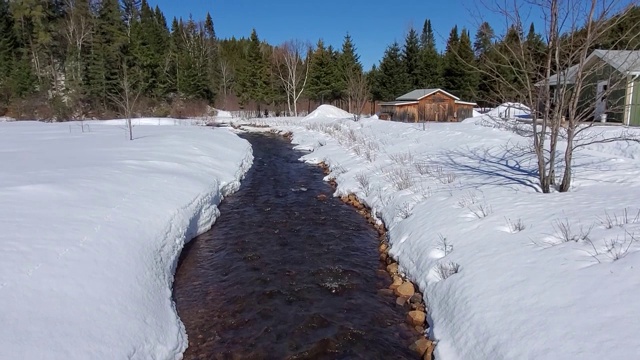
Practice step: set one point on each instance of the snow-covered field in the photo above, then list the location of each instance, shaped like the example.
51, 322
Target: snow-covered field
91, 227
508, 272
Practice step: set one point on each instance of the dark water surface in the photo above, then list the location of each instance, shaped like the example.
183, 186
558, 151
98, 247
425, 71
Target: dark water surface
283, 275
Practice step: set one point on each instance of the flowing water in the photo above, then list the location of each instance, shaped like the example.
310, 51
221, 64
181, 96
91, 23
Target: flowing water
285, 275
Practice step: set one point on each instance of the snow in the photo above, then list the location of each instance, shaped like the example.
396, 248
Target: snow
328, 112
92, 227
223, 114
460, 194
149, 121
509, 110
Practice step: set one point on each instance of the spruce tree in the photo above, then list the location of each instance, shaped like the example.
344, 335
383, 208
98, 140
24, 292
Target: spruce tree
253, 75
430, 60
348, 64
452, 69
411, 60
484, 50
8, 49
321, 74
107, 54
392, 80
470, 76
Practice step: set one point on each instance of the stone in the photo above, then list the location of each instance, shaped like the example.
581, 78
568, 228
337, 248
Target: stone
406, 289
383, 247
429, 354
397, 281
401, 301
416, 298
322, 197
383, 257
393, 269
416, 318
385, 292
419, 329
422, 346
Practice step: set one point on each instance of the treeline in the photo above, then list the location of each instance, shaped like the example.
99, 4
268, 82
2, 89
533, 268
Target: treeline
66, 59
480, 70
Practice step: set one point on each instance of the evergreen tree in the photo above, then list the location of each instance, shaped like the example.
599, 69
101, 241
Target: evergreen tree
452, 69
348, 64
470, 78
536, 54
392, 80
253, 75
430, 60
321, 74
411, 60
107, 54
484, 40
8, 49
485, 56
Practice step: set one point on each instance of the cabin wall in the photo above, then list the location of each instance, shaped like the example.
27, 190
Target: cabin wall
436, 107
615, 97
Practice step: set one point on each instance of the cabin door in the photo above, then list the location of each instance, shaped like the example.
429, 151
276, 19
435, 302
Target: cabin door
601, 99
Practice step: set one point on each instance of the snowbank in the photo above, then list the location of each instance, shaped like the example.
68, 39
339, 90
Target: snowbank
328, 112
508, 272
509, 111
223, 114
149, 121
92, 227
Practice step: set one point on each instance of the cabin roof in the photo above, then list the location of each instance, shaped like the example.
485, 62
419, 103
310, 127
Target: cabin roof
397, 103
625, 61
419, 94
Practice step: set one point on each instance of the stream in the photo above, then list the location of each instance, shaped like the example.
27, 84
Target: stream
286, 274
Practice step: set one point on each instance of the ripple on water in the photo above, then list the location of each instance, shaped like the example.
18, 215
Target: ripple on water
283, 275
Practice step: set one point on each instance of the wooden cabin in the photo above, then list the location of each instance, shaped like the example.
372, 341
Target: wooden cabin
426, 105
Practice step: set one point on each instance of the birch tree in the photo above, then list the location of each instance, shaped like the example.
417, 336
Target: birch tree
292, 69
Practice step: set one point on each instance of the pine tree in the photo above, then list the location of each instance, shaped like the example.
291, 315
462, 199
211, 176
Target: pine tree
470, 76
107, 54
484, 40
536, 50
392, 80
430, 59
321, 74
348, 64
253, 75
452, 69
411, 60
8, 49
485, 54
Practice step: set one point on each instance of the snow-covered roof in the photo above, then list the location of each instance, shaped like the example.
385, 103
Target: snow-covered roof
419, 94
396, 103
625, 61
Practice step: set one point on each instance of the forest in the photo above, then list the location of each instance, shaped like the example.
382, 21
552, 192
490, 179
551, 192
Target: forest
72, 59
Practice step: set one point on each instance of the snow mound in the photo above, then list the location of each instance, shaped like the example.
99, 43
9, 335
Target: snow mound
509, 110
328, 112
223, 113
149, 121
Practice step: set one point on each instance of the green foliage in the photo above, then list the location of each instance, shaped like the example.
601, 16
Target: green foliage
322, 72
392, 79
430, 62
411, 60
253, 76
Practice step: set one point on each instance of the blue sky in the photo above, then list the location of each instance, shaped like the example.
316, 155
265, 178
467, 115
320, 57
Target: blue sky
373, 24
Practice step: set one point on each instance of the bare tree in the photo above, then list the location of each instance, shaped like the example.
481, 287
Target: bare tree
226, 79
559, 105
357, 91
127, 96
292, 69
